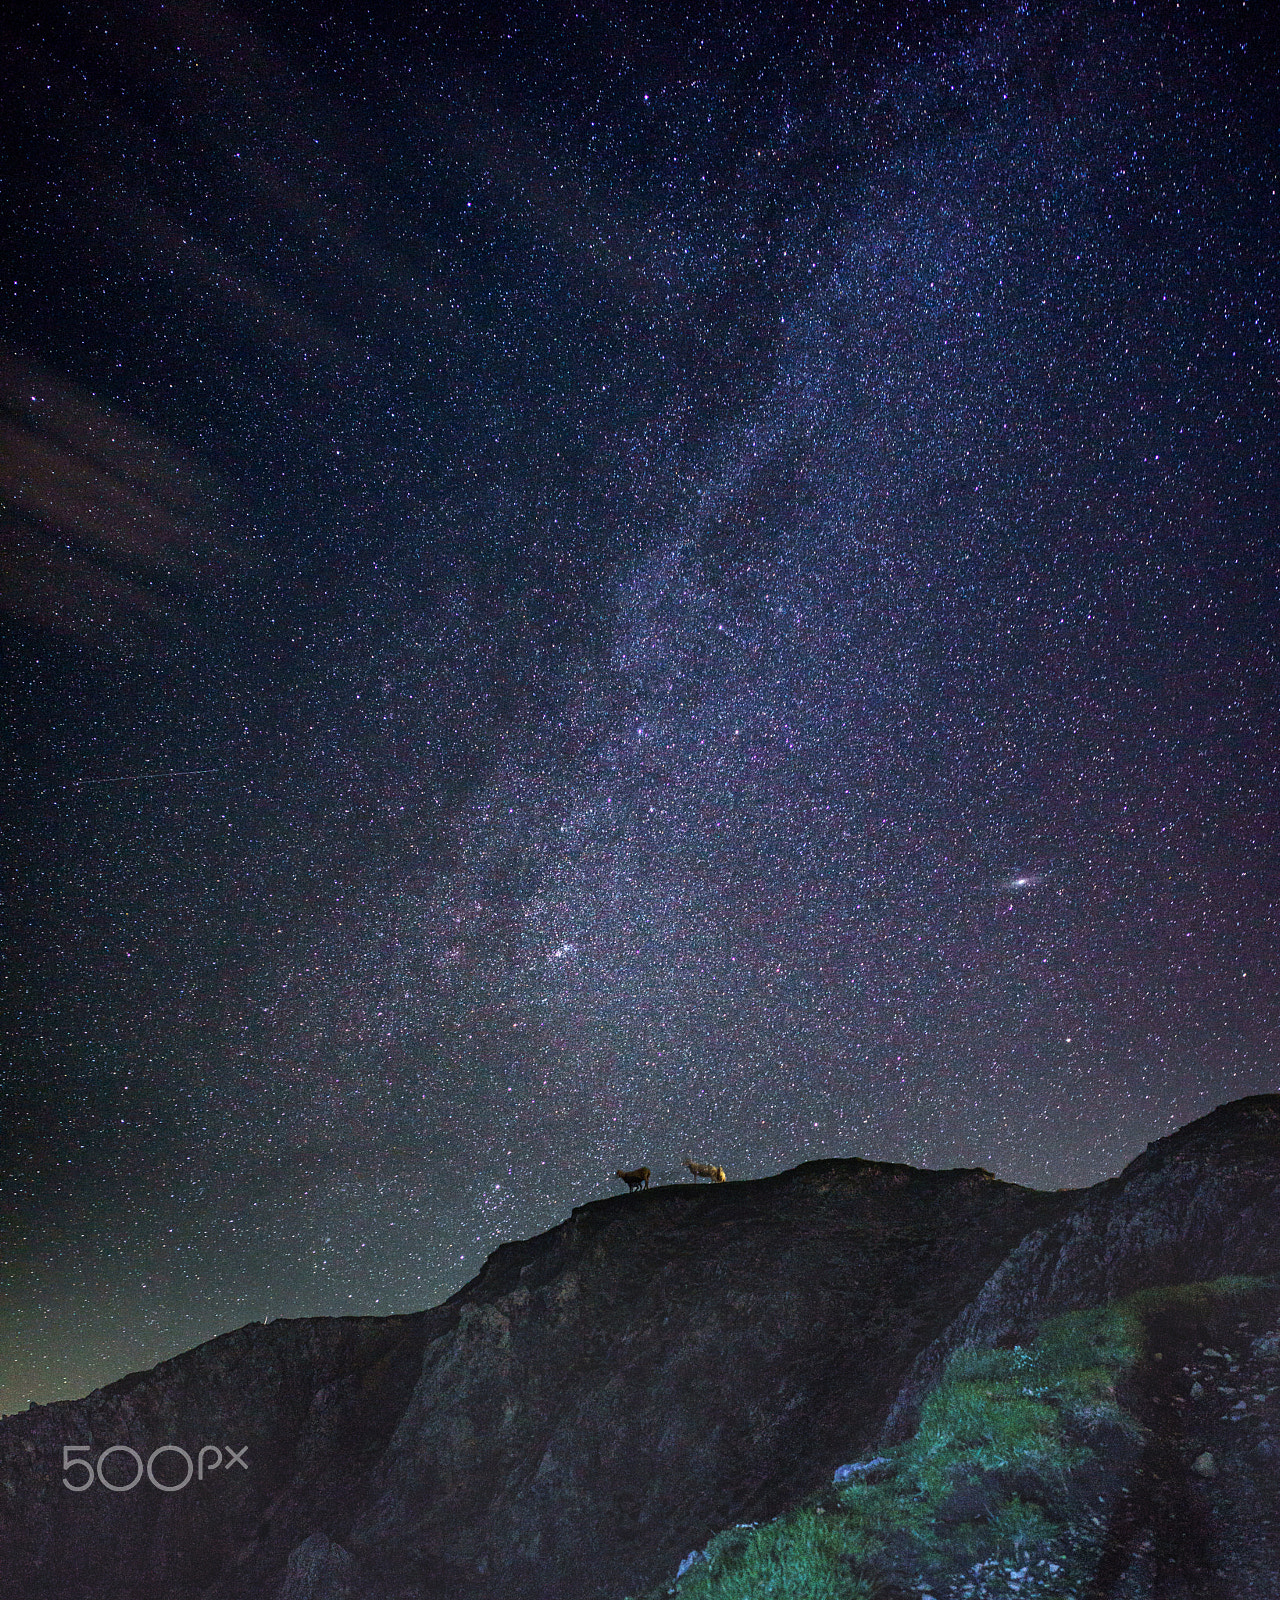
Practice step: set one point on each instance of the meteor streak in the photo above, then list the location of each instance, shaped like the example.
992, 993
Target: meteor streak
141, 777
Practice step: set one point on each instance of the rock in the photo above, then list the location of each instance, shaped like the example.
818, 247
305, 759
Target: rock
318, 1569
1204, 1465
1197, 1391
873, 1471
691, 1560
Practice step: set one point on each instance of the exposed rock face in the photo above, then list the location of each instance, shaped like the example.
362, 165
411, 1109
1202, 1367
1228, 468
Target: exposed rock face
313, 1401
601, 1399
666, 1364
1218, 1523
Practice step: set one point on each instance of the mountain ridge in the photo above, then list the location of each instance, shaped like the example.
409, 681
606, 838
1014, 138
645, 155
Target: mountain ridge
606, 1395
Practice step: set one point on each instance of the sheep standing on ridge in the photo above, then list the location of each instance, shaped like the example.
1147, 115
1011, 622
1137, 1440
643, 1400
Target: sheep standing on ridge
639, 1179
701, 1169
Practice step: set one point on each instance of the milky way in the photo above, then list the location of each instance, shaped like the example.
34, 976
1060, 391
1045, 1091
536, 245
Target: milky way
586, 595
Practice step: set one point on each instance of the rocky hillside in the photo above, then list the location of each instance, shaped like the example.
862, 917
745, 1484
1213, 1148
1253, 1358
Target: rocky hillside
1202, 1203
601, 1400
1128, 1452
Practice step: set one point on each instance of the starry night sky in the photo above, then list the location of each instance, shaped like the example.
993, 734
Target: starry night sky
609, 585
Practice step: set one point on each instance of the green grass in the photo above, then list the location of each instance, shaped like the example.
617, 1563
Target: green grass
992, 1477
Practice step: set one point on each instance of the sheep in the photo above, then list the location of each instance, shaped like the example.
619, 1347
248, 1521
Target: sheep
701, 1169
639, 1179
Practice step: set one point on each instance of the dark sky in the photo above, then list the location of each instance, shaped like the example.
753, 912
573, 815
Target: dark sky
603, 586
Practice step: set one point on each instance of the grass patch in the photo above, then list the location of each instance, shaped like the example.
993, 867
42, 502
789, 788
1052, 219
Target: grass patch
1005, 1482
800, 1557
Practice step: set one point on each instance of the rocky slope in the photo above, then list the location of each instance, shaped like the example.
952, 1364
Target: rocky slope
1202, 1203
602, 1399
1129, 1452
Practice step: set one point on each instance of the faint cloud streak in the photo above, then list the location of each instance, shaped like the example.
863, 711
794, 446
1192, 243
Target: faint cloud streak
106, 533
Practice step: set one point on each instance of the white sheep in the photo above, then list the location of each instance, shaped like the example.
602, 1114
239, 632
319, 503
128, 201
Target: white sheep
701, 1169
